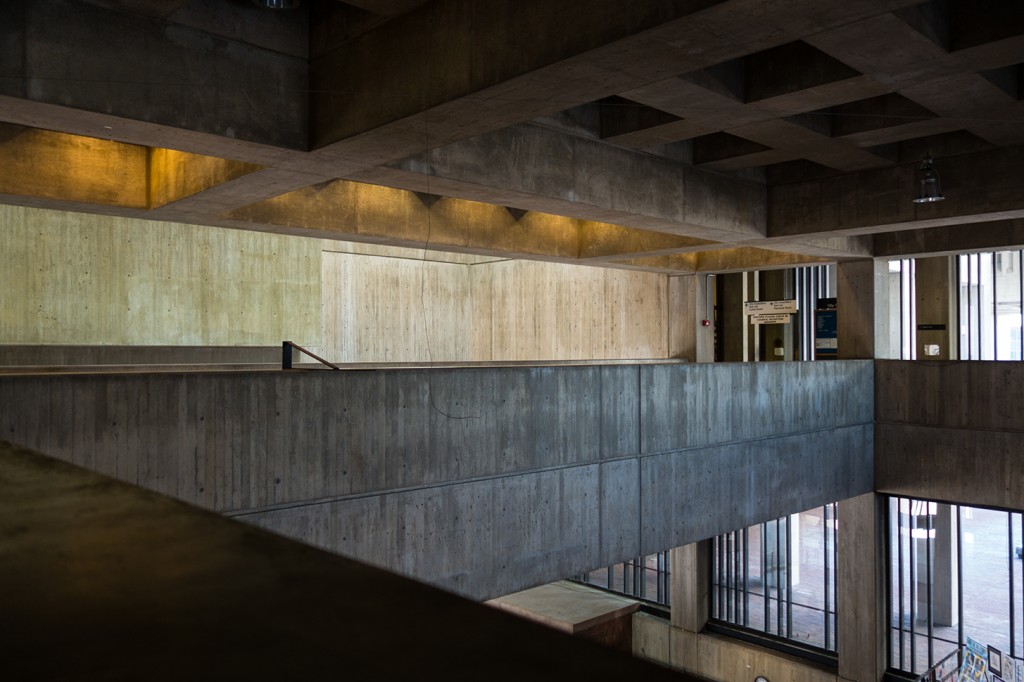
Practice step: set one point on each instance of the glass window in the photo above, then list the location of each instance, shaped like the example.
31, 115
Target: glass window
990, 287
902, 300
778, 578
1008, 284
954, 574
645, 578
812, 284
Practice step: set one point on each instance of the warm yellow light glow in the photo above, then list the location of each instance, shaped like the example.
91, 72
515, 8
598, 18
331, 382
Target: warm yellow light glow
45, 164
73, 168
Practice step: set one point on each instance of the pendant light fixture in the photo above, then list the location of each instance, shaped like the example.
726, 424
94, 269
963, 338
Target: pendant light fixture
928, 187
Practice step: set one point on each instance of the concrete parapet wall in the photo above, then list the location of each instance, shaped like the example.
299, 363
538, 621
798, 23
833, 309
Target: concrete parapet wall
67, 355
716, 657
484, 480
951, 431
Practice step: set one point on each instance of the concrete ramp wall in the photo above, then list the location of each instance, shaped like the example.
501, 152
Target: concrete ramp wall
104, 581
483, 480
951, 431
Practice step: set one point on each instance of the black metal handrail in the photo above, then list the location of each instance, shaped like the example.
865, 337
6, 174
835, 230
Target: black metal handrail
286, 356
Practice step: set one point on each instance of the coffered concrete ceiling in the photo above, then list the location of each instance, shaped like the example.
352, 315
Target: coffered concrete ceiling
673, 136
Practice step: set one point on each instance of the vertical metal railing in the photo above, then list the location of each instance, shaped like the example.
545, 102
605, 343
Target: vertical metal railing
959, 577
995, 309
778, 579
746, 576
1020, 300
825, 587
646, 578
785, 612
789, 577
929, 577
912, 574
1009, 567
765, 585
834, 528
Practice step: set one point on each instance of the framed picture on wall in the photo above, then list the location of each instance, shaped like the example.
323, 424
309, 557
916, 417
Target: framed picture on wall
995, 661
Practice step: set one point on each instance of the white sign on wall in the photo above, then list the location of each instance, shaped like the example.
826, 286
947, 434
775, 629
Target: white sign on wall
759, 307
770, 318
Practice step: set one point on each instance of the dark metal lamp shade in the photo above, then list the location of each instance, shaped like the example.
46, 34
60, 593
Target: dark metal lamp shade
928, 187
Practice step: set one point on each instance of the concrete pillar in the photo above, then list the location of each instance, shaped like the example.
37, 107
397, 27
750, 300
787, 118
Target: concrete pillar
739, 341
937, 548
690, 567
689, 306
860, 586
863, 319
730, 315
935, 284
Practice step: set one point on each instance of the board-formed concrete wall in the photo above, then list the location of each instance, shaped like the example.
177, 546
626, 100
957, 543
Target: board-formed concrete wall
83, 289
951, 431
76, 278
483, 480
420, 309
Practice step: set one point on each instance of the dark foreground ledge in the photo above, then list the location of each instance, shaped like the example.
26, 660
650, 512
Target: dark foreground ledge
103, 580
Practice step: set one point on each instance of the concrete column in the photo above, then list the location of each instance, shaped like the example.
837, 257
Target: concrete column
688, 308
731, 289
935, 284
690, 567
942, 560
739, 338
860, 587
862, 300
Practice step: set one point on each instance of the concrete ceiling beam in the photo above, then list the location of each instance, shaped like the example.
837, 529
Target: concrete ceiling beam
557, 173
210, 202
951, 239
410, 84
168, 184
668, 133
676, 264
747, 258
601, 241
695, 101
112, 128
831, 248
244, 22
528, 66
888, 48
906, 53
631, 124
801, 142
360, 212
976, 104
60, 52
702, 102
979, 187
